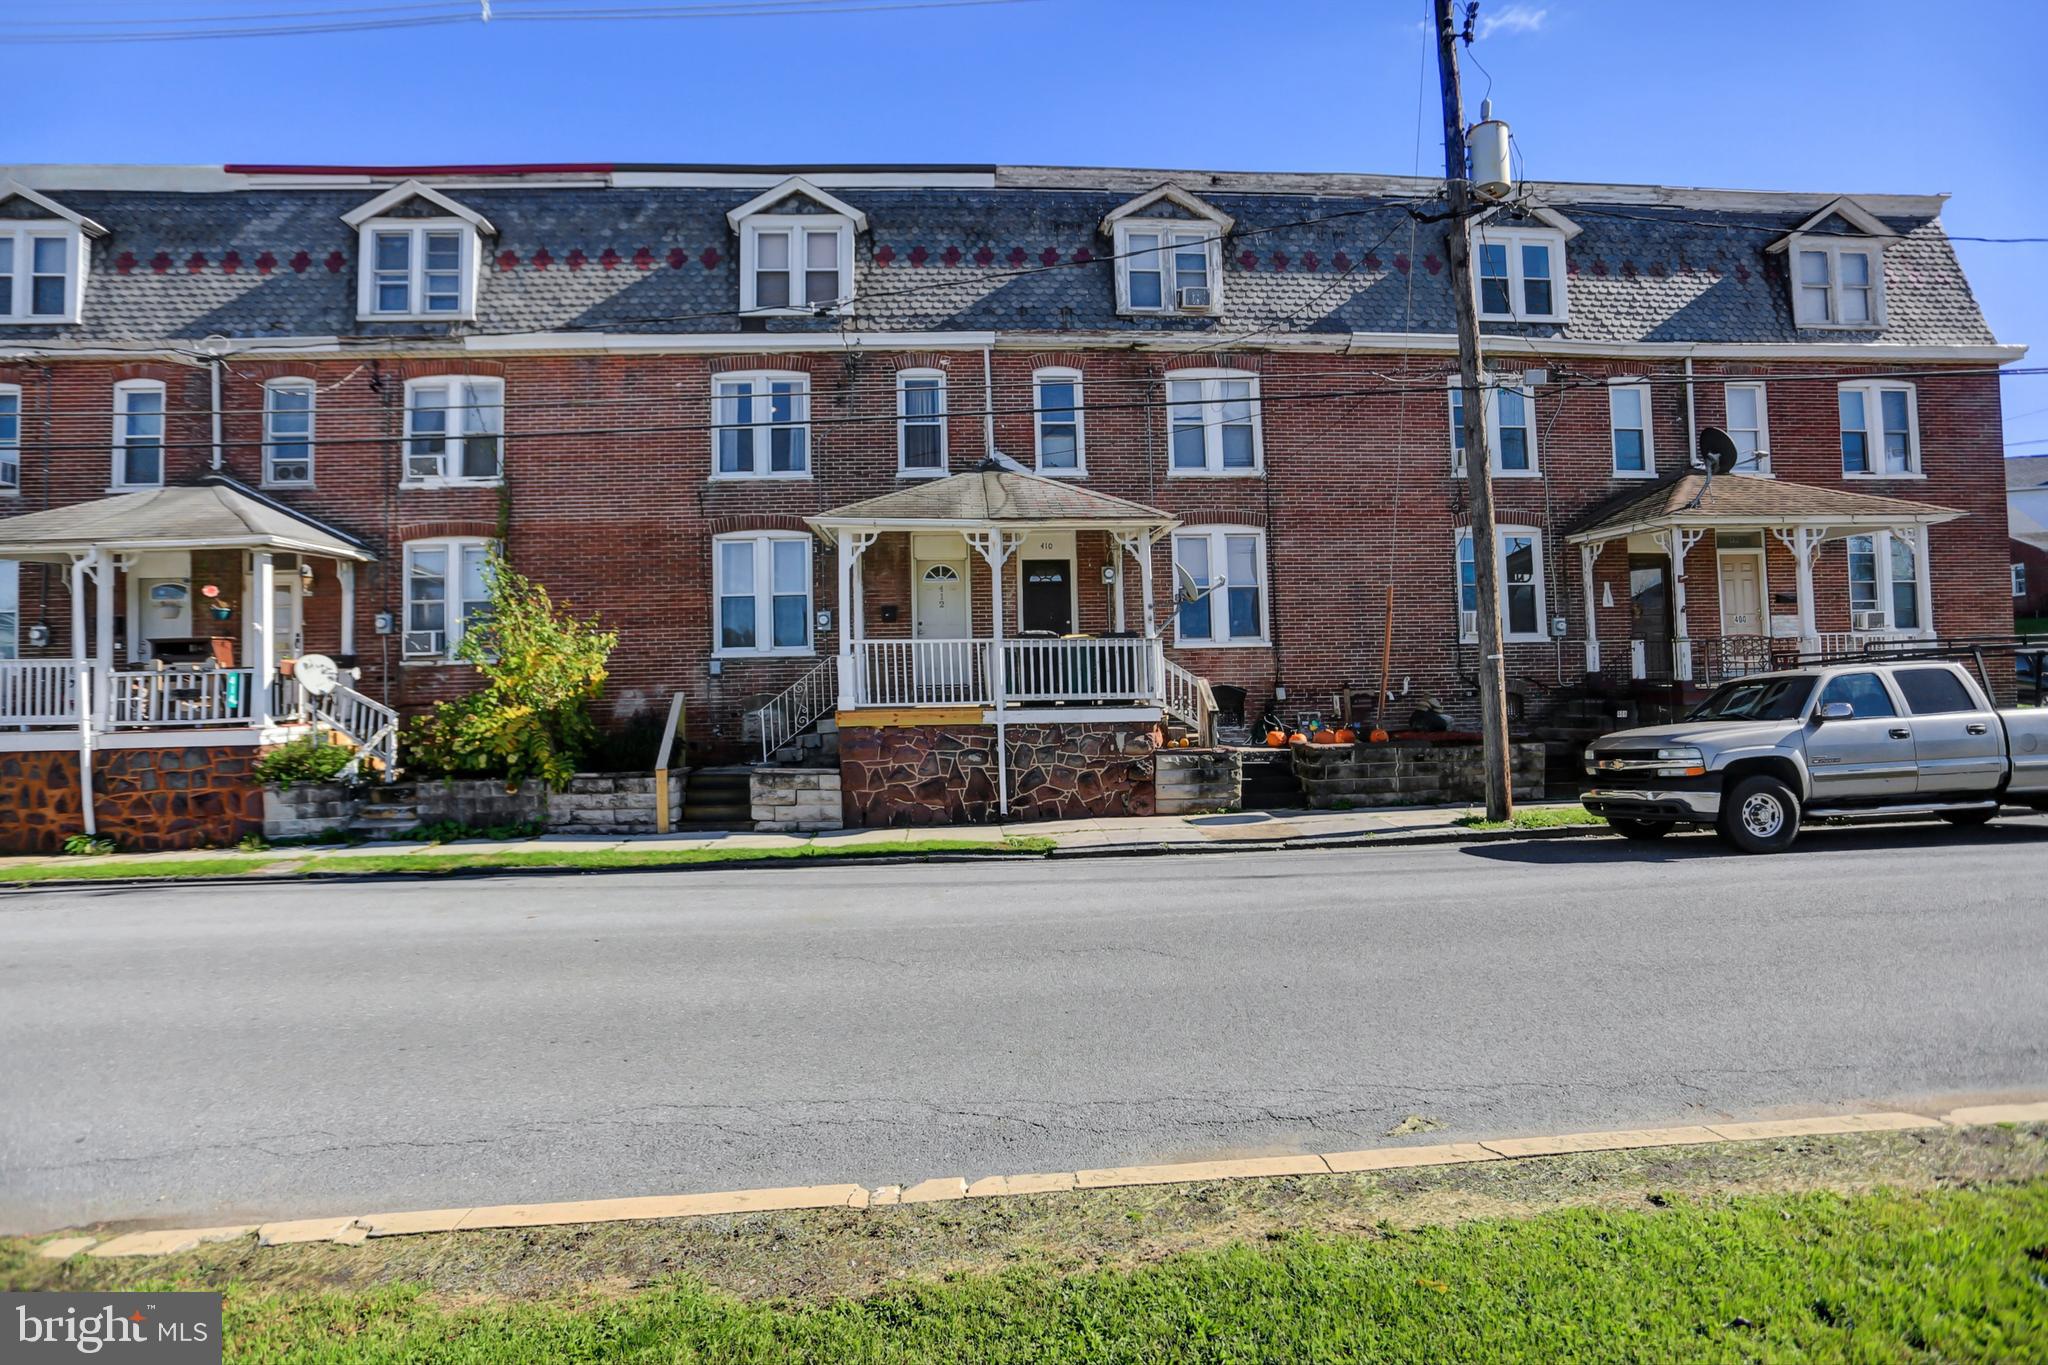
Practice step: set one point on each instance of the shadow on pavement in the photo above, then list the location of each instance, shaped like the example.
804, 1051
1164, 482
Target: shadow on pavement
1814, 839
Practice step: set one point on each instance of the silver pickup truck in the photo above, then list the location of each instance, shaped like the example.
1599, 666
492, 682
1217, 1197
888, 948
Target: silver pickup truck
1848, 740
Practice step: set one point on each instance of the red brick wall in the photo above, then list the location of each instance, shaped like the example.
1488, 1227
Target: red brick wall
1357, 494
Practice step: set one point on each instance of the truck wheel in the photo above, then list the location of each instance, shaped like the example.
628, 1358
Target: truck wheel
1759, 815
1966, 818
1638, 829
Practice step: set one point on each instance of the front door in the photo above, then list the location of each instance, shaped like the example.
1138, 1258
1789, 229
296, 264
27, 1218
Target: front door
1047, 595
1742, 592
940, 612
1649, 611
1869, 755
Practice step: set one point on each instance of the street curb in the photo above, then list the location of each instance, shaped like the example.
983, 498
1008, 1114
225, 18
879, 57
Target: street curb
353, 1230
1366, 839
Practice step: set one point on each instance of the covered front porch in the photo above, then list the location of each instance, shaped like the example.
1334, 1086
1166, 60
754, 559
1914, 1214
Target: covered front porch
1769, 591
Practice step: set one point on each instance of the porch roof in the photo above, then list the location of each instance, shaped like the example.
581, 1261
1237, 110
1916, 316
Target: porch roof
992, 496
217, 513
1733, 500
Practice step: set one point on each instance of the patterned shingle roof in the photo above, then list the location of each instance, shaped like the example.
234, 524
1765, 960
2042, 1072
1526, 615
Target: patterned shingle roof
998, 495
1739, 498
280, 262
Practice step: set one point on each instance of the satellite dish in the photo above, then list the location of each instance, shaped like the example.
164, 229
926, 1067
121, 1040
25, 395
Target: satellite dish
317, 674
1185, 587
1718, 450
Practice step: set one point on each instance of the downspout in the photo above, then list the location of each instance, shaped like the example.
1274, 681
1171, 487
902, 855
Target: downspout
988, 404
83, 683
214, 372
1692, 426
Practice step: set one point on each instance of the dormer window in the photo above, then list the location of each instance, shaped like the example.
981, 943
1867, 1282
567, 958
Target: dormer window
1169, 253
42, 260
418, 257
1836, 263
1520, 273
796, 249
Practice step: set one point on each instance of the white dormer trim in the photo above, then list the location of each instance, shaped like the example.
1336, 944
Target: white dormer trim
405, 192
1172, 194
1849, 211
1542, 213
796, 184
1150, 251
14, 189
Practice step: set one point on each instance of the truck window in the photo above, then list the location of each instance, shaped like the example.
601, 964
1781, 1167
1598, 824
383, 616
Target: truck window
1863, 691
1933, 691
1764, 698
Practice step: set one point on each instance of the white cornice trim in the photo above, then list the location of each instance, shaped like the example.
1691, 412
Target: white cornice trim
1172, 194
410, 190
795, 184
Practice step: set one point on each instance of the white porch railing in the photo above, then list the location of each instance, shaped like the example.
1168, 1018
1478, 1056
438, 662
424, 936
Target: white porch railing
370, 725
962, 672
797, 706
180, 697
39, 692
1863, 641
1190, 700
921, 673
1081, 670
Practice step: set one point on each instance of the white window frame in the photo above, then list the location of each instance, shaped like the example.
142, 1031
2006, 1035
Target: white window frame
470, 253
1058, 374
1641, 389
10, 442
271, 388
795, 224
1211, 405
904, 422
23, 235
1923, 588
454, 438
1833, 249
1218, 537
454, 607
763, 594
1760, 465
1468, 632
123, 392
760, 389
2019, 580
1490, 397
1873, 391
1198, 233
1514, 239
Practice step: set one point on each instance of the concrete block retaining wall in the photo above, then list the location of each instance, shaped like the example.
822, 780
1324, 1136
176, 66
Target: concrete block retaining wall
1190, 781
1408, 774
794, 800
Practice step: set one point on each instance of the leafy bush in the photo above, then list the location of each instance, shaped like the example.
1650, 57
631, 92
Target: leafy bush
447, 831
311, 759
252, 843
630, 748
541, 667
88, 846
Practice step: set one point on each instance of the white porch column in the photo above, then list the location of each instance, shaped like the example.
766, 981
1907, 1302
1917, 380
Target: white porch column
1923, 573
1677, 543
1145, 545
262, 635
1803, 542
1589, 554
847, 692
345, 570
994, 545
82, 680
103, 573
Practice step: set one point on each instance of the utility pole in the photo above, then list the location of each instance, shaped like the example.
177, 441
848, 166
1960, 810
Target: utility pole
1493, 697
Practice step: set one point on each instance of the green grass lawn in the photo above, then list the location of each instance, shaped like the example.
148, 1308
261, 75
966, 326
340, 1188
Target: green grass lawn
1953, 1274
1543, 817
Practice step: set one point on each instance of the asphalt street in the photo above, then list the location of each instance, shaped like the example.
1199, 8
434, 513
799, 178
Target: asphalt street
217, 1053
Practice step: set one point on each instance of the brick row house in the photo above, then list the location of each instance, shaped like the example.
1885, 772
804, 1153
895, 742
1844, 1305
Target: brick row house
998, 467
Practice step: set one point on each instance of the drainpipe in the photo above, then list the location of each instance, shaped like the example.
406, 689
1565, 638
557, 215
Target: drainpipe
988, 403
1692, 426
214, 370
83, 682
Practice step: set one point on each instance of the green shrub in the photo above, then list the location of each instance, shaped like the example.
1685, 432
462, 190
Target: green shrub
88, 846
447, 831
311, 759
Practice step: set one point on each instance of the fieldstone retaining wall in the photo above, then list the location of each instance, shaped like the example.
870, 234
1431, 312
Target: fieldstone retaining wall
1196, 780
1408, 774
946, 775
795, 800
144, 799
593, 803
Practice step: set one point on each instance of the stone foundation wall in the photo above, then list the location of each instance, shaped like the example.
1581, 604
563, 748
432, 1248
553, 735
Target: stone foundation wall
145, 800
1190, 781
794, 800
1408, 774
944, 775
612, 803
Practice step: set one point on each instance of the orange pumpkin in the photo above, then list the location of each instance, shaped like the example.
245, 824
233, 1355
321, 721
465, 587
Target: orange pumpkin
1297, 738
1347, 735
1378, 736
1276, 739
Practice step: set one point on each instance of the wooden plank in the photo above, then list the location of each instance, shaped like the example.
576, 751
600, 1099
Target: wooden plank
874, 718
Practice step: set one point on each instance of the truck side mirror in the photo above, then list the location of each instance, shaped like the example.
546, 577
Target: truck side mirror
1835, 710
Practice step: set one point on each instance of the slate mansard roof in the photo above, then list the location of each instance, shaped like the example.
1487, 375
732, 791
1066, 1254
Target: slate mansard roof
265, 256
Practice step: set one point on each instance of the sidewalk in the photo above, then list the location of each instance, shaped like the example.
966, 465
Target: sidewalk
1133, 835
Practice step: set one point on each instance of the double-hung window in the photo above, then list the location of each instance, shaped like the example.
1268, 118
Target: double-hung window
920, 422
1213, 418
795, 264
138, 434
1880, 431
419, 270
1884, 583
288, 433
2019, 580
1520, 274
1056, 414
1227, 566
1521, 586
1510, 429
454, 431
1629, 434
762, 426
10, 440
1167, 267
447, 592
762, 583
1749, 427
39, 272
1837, 285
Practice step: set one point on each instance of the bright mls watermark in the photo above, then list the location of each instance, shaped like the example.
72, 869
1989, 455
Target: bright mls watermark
165, 1329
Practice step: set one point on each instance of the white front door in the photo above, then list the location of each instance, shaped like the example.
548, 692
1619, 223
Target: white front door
940, 612
1742, 592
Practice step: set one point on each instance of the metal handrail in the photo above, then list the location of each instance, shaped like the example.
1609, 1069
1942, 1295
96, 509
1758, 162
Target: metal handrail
797, 707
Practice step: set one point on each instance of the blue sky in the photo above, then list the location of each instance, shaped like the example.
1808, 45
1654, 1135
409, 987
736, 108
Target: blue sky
1870, 95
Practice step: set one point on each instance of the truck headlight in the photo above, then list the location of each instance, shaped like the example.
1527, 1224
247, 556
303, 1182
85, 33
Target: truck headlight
1686, 761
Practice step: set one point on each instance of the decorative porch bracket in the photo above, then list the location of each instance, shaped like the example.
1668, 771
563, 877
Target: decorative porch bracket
1803, 542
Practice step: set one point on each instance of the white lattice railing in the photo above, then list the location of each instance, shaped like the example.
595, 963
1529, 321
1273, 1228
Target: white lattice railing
181, 696
39, 692
798, 707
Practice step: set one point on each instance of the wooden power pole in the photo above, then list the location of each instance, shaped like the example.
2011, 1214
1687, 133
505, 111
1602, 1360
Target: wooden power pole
1493, 696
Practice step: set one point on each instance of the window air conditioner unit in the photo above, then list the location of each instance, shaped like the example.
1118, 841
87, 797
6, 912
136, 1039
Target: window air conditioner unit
1194, 299
1468, 623
1866, 620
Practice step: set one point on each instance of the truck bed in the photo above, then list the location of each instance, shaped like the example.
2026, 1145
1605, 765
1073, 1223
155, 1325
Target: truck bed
2026, 735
